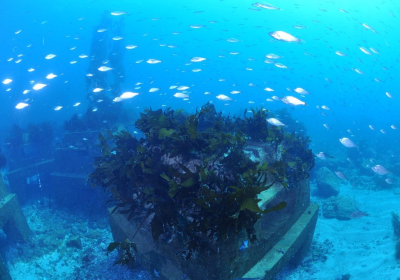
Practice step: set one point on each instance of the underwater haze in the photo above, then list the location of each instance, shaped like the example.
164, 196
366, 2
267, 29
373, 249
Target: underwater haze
332, 66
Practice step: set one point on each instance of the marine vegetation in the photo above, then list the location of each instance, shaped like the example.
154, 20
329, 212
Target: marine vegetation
189, 178
128, 252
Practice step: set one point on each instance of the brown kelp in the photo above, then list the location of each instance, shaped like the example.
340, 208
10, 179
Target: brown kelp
190, 177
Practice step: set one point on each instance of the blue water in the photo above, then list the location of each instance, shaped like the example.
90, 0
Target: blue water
162, 30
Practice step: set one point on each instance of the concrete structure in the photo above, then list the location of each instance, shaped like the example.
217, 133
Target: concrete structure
283, 236
19, 179
12, 221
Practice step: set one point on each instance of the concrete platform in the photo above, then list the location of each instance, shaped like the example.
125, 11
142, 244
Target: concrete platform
4, 275
287, 235
12, 221
17, 179
291, 248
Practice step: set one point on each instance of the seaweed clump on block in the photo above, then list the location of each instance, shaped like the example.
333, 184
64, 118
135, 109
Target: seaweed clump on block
189, 177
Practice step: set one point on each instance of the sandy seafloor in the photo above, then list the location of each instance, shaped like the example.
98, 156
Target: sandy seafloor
363, 248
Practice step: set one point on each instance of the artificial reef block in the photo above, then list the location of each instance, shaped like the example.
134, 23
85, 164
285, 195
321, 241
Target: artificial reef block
19, 178
71, 191
226, 261
214, 193
73, 160
12, 219
292, 247
4, 275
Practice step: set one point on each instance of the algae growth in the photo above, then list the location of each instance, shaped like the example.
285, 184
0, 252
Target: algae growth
190, 177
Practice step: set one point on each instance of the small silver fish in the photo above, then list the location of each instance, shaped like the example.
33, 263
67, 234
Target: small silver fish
380, 170
118, 13
290, 100
275, 122
341, 175
283, 36
301, 91
347, 142
265, 6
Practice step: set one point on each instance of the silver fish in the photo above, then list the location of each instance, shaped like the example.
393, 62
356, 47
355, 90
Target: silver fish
283, 36
265, 6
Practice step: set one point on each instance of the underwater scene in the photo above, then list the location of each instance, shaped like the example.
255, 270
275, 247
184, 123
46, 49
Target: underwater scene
200, 140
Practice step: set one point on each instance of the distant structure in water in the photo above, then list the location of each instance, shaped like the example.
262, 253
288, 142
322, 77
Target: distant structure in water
106, 51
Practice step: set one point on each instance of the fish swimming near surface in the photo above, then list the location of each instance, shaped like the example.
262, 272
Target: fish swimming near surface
283, 36
290, 100
266, 6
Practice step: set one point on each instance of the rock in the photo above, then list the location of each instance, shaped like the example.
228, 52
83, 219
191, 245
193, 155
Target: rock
94, 234
82, 227
340, 207
328, 183
74, 241
102, 224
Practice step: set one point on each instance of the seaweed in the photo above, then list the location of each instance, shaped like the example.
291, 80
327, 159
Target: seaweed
189, 176
256, 126
128, 252
298, 158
